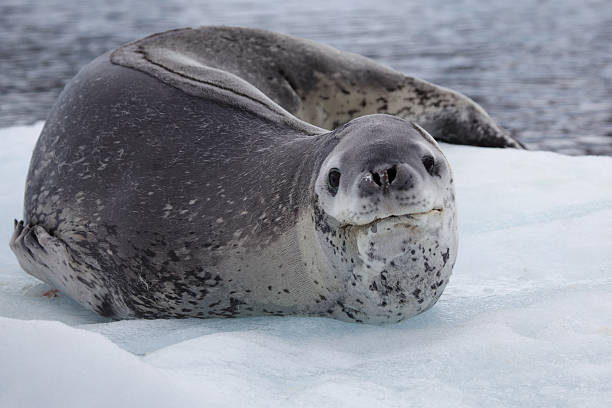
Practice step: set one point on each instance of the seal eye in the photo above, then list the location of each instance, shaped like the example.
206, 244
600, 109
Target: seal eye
333, 180
429, 163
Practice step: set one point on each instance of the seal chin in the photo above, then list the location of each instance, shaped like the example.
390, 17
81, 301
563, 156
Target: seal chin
398, 264
386, 239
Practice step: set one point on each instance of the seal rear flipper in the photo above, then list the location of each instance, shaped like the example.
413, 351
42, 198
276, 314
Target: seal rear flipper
48, 258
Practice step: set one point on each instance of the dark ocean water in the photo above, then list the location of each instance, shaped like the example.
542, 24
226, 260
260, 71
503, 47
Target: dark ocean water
542, 69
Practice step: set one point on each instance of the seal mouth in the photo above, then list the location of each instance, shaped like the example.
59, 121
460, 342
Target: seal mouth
400, 219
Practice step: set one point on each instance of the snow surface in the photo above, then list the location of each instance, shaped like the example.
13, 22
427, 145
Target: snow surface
526, 319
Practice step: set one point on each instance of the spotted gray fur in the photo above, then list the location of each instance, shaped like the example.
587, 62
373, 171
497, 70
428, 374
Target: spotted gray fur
173, 179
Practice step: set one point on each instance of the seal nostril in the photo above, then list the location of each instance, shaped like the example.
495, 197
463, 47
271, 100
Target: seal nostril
376, 178
429, 163
391, 174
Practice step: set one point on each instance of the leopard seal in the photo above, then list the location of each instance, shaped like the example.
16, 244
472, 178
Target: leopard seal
190, 174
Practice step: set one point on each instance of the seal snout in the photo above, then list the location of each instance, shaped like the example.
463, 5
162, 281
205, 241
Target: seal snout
386, 179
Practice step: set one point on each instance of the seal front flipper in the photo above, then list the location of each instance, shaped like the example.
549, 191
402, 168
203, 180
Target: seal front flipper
29, 251
42, 255
49, 259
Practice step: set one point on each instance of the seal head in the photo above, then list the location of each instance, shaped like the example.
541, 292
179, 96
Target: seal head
385, 218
